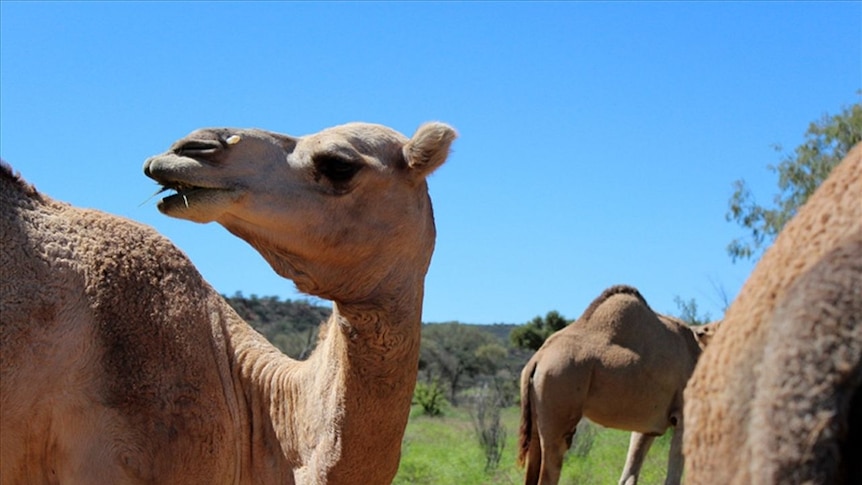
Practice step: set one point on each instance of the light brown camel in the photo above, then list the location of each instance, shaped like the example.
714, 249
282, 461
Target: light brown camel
777, 397
622, 366
121, 365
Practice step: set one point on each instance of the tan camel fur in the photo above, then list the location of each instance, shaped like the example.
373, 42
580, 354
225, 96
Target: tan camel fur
777, 397
121, 365
622, 366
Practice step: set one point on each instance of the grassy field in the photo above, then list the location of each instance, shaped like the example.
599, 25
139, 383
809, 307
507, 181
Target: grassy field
445, 450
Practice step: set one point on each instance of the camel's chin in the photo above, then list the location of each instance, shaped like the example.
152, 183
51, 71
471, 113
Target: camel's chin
197, 205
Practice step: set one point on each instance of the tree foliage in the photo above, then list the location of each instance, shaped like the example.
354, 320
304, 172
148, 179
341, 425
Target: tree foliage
532, 334
464, 357
450, 352
688, 312
827, 142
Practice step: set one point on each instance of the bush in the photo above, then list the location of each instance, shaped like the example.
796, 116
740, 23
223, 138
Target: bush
585, 436
487, 403
431, 397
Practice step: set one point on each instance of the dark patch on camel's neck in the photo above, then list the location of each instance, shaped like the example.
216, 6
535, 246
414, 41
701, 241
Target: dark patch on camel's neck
613, 290
851, 448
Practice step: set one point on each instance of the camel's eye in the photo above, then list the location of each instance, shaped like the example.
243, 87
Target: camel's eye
336, 168
197, 147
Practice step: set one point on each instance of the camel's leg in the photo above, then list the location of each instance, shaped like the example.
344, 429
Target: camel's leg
675, 460
534, 459
555, 443
639, 444
553, 452
558, 411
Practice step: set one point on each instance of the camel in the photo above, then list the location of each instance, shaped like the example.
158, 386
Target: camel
777, 396
121, 365
622, 366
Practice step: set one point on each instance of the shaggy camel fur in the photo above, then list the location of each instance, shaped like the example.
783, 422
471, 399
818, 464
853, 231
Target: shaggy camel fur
776, 397
620, 365
121, 365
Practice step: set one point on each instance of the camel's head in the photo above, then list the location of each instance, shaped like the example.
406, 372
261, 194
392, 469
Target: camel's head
341, 212
704, 333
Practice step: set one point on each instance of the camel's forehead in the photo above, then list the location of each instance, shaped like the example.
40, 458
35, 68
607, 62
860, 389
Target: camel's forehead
207, 134
362, 134
228, 133
368, 138
363, 130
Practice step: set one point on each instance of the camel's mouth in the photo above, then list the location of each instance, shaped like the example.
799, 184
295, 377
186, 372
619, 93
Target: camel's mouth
185, 197
188, 201
191, 192
181, 194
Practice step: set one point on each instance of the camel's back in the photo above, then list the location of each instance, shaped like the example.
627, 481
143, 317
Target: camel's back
621, 335
109, 352
621, 318
619, 362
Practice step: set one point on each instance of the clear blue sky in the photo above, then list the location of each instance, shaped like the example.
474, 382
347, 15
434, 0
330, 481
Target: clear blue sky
598, 141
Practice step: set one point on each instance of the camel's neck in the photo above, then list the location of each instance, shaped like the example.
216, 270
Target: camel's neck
374, 352
339, 417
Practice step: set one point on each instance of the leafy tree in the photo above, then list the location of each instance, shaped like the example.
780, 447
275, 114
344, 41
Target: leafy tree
532, 334
450, 352
490, 357
688, 312
799, 174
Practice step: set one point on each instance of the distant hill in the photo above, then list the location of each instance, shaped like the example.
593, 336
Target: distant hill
460, 355
291, 325
500, 330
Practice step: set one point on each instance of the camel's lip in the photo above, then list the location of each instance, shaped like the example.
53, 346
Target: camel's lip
184, 176
172, 182
185, 196
180, 192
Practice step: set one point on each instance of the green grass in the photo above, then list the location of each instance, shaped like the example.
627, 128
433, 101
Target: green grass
445, 450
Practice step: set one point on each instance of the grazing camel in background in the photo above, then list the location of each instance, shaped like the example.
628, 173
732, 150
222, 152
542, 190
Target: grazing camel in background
121, 365
622, 366
777, 397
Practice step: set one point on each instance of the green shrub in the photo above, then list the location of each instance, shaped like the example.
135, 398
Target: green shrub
584, 438
431, 397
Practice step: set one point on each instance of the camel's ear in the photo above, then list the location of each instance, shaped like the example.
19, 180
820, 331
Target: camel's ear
428, 148
704, 333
